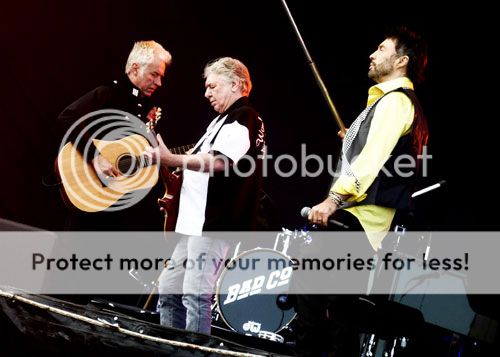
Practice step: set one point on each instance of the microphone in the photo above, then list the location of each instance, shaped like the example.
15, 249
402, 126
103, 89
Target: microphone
304, 212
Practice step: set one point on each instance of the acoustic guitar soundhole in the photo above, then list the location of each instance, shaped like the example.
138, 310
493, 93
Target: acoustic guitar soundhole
128, 164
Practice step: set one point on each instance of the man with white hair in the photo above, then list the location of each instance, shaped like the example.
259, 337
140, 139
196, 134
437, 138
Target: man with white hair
220, 192
144, 73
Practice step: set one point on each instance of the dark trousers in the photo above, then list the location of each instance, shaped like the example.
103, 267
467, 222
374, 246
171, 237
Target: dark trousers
326, 325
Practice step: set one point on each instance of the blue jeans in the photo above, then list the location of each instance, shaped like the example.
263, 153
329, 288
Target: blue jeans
187, 284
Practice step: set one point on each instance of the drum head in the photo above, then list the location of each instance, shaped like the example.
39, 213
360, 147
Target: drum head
248, 288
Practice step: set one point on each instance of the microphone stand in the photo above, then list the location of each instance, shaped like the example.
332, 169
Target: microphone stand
315, 71
401, 229
371, 340
428, 188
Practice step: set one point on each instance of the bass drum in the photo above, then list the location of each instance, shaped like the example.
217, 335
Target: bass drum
248, 289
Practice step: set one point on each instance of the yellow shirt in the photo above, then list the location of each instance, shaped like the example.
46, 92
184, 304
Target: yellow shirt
392, 119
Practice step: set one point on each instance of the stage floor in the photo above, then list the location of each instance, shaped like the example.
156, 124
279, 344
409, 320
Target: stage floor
36, 325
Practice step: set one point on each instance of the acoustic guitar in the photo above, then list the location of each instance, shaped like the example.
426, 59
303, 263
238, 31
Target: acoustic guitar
85, 190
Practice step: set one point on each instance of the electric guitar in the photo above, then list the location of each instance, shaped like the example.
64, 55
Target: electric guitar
172, 180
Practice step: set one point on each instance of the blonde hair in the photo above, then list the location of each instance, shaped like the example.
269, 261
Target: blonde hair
144, 52
232, 69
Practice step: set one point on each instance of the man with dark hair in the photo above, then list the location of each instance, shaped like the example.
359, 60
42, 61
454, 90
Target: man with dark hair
392, 125
368, 188
409, 43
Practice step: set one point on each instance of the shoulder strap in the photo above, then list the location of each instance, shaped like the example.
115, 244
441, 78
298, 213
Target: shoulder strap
217, 127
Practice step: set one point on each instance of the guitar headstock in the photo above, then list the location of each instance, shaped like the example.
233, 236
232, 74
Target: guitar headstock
153, 116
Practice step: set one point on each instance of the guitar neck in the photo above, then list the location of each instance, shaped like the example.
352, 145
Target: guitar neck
181, 149
132, 162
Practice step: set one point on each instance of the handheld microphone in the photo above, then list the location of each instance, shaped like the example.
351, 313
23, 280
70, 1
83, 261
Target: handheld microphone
304, 212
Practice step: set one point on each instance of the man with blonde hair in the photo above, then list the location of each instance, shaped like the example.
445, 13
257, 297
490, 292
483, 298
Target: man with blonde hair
144, 73
146, 66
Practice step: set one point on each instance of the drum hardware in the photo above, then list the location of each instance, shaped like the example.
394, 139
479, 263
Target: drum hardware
400, 231
140, 279
147, 288
372, 346
236, 250
216, 318
422, 250
271, 336
285, 301
287, 237
369, 345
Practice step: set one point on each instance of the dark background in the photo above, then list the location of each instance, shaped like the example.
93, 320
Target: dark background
53, 52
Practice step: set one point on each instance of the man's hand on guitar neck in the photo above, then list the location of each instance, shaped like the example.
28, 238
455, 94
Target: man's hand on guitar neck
103, 167
205, 162
160, 154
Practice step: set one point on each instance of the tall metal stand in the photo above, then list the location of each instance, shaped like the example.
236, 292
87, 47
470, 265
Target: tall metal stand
315, 71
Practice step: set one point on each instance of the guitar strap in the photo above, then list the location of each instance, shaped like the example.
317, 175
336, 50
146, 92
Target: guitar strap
210, 134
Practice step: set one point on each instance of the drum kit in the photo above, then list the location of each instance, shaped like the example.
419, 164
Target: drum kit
251, 296
249, 293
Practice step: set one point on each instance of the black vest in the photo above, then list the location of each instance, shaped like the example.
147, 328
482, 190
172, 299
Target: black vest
390, 189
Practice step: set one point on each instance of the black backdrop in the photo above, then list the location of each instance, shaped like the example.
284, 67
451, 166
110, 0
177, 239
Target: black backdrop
54, 52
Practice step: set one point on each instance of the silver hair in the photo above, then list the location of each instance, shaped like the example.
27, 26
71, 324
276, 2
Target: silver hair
143, 53
232, 69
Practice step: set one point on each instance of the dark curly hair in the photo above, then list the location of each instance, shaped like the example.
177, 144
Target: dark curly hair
411, 44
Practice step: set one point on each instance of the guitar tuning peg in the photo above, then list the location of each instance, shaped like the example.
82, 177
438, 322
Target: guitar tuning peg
158, 114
